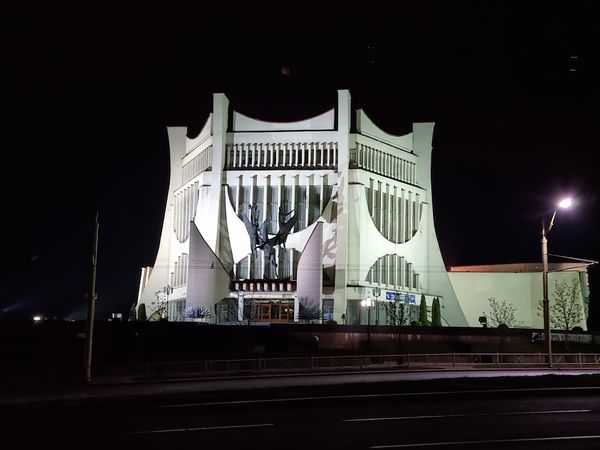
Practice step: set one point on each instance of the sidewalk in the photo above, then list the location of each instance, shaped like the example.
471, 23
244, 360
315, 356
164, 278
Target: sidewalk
111, 389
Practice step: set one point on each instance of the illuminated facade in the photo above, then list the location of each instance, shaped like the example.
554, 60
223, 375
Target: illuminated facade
363, 227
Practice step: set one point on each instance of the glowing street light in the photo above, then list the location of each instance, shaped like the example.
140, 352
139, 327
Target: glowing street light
368, 303
565, 203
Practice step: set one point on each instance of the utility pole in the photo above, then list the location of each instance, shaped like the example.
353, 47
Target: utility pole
91, 306
545, 301
565, 203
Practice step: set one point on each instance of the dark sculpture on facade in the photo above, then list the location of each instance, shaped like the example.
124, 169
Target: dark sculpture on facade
259, 237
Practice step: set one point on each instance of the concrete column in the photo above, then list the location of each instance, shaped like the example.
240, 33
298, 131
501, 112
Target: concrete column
322, 194
388, 230
266, 183
295, 181
402, 215
297, 152
380, 224
344, 205
402, 271
308, 183
410, 214
253, 191
373, 202
219, 136
238, 194
396, 215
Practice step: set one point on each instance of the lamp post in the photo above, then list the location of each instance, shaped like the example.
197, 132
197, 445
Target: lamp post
545, 302
89, 328
167, 290
376, 291
368, 303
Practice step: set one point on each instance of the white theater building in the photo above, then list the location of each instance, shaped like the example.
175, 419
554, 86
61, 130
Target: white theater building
364, 229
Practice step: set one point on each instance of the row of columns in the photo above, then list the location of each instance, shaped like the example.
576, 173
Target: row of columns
395, 214
184, 211
385, 164
309, 154
197, 165
282, 181
393, 270
179, 274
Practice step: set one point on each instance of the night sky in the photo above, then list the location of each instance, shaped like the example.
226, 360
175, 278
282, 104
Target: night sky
88, 94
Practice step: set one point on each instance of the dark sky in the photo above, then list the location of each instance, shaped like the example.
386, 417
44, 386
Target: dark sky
88, 94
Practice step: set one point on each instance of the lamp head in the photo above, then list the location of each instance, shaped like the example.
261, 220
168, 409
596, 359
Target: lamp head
565, 203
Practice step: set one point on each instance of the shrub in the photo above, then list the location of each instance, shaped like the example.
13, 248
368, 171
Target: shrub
196, 312
141, 315
436, 313
423, 312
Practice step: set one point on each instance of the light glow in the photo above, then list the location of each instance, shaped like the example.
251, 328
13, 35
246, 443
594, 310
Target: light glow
366, 303
565, 203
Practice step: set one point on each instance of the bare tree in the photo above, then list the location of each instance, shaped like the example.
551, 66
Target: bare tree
565, 310
159, 306
502, 313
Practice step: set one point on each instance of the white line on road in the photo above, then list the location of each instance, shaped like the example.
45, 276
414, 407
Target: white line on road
441, 416
491, 441
224, 427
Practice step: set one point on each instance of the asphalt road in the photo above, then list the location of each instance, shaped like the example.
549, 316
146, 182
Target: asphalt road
510, 418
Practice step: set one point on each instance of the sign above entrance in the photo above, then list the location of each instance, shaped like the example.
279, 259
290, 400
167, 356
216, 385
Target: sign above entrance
391, 296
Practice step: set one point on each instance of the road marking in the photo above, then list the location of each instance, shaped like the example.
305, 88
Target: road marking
491, 441
441, 416
224, 427
398, 394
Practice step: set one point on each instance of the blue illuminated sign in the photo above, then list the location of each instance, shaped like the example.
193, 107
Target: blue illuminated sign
390, 296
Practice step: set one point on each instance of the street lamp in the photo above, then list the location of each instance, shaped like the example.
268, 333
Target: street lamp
376, 291
368, 303
565, 203
167, 290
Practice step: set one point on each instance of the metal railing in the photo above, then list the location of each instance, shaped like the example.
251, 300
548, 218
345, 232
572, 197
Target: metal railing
323, 364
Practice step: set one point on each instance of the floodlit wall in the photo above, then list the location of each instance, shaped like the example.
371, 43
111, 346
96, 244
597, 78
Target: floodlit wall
521, 290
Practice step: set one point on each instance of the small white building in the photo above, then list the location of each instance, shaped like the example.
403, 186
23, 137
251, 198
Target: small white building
363, 222
520, 286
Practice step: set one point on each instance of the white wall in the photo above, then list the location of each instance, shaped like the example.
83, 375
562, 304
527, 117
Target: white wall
523, 290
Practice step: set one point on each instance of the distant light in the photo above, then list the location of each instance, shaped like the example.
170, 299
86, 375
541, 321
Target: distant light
565, 203
37, 318
366, 303
285, 70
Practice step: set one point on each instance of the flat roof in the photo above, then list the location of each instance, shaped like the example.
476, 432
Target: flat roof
521, 267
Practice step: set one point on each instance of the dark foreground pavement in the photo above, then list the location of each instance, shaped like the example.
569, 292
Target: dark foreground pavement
495, 409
